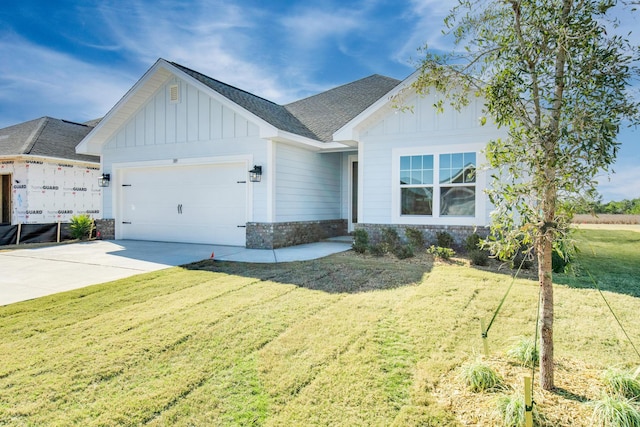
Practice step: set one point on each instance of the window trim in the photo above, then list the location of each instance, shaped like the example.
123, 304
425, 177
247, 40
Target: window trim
480, 217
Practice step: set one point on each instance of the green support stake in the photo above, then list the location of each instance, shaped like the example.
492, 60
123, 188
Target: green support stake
485, 343
528, 403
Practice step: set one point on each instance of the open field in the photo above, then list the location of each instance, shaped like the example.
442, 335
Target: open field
347, 340
607, 219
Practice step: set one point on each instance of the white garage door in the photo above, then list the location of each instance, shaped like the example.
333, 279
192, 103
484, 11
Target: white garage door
194, 204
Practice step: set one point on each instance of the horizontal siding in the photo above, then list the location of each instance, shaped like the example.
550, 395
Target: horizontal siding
308, 185
427, 131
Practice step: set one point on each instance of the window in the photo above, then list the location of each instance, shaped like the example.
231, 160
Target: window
416, 185
458, 189
452, 182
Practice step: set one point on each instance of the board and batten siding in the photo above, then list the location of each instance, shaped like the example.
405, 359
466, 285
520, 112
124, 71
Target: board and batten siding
420, 130
198, 126
308, 184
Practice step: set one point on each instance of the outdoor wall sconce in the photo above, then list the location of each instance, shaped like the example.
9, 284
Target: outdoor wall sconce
255, 174
103, 181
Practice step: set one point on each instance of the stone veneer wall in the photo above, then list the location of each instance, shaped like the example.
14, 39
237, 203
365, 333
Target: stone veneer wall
458, 232
264, 235
106, 228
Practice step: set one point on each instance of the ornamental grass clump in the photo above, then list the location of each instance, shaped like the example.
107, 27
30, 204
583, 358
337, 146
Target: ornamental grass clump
615, 411
525, 352
478, 376
511, 409
622, 383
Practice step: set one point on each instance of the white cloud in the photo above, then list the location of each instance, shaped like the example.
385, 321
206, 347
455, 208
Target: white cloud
46, 82
624, 184
429, 16
215, 38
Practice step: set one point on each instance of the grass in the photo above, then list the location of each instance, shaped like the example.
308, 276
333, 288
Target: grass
622, 383
616, 411
346, 340
524, 351
480, 376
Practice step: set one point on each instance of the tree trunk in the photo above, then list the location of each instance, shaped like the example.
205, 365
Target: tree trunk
546, 313
544, 249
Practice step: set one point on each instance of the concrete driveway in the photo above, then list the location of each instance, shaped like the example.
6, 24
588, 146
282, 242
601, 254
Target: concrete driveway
31, 273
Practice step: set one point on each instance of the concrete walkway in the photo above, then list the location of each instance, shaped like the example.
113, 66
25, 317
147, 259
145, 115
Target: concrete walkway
32, 273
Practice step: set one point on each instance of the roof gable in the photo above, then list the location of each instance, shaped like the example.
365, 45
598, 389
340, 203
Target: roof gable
45, 137
312, 120
328, 111
268, 111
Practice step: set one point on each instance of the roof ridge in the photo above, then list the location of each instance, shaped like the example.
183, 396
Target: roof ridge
31, 140
342, 86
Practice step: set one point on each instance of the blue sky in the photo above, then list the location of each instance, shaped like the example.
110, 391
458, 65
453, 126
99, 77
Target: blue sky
74, 59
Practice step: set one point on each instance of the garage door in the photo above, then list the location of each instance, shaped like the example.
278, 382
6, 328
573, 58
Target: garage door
194, 204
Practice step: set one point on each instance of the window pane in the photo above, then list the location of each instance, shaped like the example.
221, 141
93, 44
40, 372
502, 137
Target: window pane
416, 162
427, 162
427, 177
470, 167
445, 161
405, 177
416, 177
417, 201
457, 160
405, 162
458, 201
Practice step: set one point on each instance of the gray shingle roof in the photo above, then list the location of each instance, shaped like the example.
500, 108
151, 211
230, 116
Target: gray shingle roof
328, 111
269, 111
317, 116
45, 137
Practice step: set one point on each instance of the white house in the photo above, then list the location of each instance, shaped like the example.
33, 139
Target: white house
42, 178
179, 147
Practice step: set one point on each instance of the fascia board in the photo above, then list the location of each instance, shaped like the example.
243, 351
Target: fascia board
308, 143
111, 122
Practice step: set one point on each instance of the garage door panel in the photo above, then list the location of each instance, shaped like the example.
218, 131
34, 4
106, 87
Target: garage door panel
197, 204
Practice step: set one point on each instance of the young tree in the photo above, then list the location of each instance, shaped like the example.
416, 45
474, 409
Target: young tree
557, 77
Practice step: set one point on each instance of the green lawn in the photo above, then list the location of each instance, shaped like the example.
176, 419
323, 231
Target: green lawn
343, 341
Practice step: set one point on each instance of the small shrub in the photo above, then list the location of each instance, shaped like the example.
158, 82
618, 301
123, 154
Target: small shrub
415, 238
81, 227
525, 352
622, 383
444, 239
479, 257
360, 241
379, 249
403, 252
615, 411
511, 409
478, 376
472, 243
440, 252
390, 238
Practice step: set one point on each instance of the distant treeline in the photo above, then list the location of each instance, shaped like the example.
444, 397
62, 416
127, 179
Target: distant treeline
627, 207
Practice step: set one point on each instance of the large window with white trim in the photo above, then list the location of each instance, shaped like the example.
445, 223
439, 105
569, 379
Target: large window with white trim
449, 178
